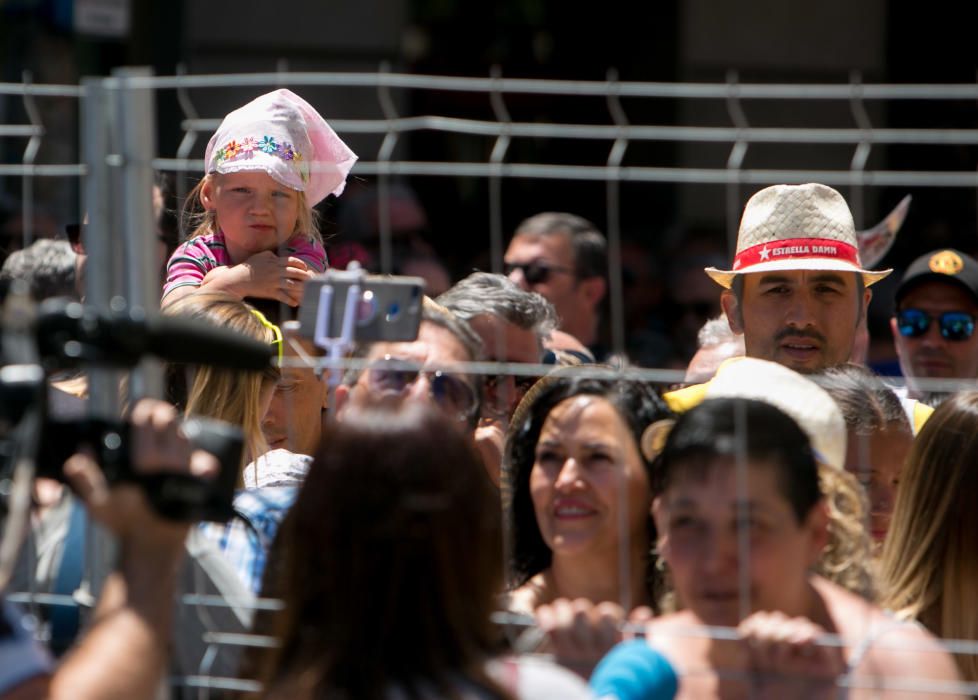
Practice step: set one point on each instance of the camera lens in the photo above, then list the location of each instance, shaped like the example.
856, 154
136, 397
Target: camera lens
367, 310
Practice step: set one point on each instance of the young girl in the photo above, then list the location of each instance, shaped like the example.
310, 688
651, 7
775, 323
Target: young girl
268, 164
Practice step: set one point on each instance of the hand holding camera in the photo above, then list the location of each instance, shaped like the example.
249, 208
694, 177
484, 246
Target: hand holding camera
158, 446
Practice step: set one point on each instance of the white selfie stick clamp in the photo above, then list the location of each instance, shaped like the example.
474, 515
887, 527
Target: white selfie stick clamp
337, 347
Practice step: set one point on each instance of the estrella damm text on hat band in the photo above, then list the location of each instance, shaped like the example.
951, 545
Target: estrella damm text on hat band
792, 248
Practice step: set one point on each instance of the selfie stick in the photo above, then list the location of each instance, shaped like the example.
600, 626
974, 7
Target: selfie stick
337, 347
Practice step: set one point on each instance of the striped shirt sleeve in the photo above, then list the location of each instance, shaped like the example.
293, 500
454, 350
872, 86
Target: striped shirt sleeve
310, 252
189, 264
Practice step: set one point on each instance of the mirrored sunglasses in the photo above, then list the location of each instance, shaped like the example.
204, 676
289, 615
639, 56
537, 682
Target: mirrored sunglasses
954, 325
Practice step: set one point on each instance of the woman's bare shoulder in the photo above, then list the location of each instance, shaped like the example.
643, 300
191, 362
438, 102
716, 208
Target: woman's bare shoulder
888, 657
905, 660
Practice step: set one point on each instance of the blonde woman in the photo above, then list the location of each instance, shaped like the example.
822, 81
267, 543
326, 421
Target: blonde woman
930, 556
234, 396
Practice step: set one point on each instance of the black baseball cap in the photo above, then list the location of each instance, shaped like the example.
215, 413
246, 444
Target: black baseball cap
945, 265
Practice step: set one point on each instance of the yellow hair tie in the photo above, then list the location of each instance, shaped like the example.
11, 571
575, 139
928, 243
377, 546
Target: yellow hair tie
276, 331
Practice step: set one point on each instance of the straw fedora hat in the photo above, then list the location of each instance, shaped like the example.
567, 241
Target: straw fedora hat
796, 227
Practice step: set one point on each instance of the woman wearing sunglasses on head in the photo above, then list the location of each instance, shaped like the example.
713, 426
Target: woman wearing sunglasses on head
934, 324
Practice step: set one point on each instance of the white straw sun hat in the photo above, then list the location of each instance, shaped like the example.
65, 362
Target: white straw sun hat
796, 227
806, 402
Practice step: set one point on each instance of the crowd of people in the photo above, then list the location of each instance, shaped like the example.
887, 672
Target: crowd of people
784, 523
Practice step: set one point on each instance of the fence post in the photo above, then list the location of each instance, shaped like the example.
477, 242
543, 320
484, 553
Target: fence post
101, 278
101, 284
136, 121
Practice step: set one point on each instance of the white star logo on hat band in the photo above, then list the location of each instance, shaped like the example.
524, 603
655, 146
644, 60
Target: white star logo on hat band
765, 253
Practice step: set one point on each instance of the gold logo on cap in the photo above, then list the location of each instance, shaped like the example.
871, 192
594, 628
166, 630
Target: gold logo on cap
946, 262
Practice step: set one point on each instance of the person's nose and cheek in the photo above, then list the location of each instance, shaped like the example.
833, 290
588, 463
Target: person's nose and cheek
519, 279
570, 477
882, 497
718, 553
419, 389
275, 415
800, 311
261, 203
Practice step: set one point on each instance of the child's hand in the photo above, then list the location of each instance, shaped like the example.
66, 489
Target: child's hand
264, 275
275, 277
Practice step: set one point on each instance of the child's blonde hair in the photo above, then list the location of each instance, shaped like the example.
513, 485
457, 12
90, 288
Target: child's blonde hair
233, 396
196, 217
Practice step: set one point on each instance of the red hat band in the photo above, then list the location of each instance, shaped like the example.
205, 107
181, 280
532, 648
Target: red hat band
796, 248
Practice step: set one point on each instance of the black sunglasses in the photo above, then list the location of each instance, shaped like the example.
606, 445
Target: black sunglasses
535, 272
452, 394
954, 325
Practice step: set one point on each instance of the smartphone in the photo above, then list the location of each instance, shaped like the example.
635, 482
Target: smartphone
389, 308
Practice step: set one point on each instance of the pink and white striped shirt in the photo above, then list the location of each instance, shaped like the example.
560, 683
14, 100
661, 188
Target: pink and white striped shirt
192, 260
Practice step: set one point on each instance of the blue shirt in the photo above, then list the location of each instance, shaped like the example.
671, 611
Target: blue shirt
246, 539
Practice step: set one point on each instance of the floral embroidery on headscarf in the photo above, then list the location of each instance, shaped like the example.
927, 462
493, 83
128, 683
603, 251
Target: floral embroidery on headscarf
246, 148
285, 150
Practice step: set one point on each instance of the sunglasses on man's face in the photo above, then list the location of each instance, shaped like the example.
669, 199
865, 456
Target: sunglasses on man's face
452, 394
497, 388
954, 325
535, 272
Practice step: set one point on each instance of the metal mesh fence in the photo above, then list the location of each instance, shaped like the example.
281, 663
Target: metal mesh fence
119, 157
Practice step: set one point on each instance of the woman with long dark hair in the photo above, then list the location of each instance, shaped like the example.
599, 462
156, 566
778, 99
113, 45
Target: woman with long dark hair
576, 492
390, 563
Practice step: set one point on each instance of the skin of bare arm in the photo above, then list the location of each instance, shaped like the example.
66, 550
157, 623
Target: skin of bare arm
264, 275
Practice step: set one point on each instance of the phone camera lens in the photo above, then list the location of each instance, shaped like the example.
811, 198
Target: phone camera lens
367, 309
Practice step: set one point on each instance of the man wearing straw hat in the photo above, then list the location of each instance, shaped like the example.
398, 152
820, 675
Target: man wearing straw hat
797, 290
